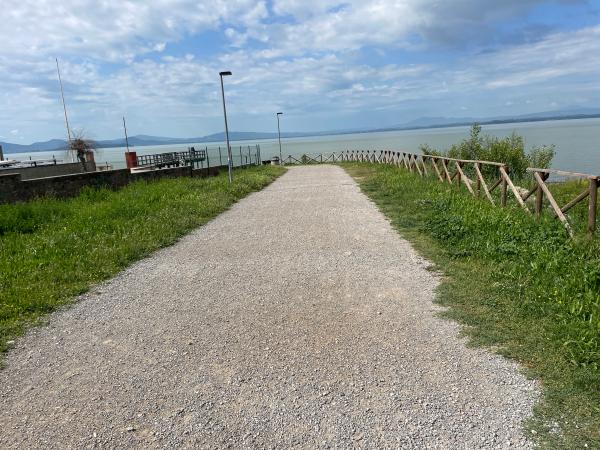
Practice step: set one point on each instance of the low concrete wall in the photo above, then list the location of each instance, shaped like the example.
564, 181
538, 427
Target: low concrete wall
14, 189
53, 170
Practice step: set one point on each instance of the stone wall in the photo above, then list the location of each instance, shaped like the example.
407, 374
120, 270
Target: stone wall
14, 189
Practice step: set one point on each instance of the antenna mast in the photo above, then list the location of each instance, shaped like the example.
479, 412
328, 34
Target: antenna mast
62, 94
126, 138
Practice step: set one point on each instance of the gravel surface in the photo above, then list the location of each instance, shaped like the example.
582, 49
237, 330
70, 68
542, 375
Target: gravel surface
297, 318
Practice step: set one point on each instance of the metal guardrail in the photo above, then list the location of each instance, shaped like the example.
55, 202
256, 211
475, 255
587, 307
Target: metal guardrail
172, 159
242, 156
470, 173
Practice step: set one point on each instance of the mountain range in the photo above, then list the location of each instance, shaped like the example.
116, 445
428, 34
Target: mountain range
421, 123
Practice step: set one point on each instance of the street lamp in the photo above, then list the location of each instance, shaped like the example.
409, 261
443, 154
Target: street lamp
279, 133
229, 157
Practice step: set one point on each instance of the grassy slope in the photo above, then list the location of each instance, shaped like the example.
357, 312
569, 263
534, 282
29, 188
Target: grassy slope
52, 250
519, 285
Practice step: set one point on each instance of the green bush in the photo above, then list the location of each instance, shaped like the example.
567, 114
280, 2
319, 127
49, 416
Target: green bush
509, 150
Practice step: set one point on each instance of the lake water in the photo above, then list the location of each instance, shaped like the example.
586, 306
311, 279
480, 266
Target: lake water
577, 144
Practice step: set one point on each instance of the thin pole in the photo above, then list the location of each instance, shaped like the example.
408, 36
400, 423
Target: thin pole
279, 134
126, 137
229, 157
62, 94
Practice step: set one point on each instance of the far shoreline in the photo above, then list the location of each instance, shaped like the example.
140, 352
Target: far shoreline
269, 136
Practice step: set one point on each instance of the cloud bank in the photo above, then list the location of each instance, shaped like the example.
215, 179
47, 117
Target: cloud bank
328, 64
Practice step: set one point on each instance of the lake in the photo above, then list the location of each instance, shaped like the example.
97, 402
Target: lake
577, 143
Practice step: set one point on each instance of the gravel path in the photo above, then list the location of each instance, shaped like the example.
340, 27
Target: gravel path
297, 318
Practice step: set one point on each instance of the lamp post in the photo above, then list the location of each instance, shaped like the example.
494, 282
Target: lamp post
279, 134
229, 157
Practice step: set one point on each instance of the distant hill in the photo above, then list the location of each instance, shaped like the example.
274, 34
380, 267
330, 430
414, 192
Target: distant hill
52, 144
441, 122
145, 140
421, 123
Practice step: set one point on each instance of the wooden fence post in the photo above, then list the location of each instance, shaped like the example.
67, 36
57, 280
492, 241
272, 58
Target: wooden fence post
477, 168
592, 205
539, 200
504, 188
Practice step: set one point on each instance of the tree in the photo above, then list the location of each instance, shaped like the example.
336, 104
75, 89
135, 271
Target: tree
82, 146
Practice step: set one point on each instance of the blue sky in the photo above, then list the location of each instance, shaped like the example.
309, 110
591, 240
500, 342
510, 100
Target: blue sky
327, 64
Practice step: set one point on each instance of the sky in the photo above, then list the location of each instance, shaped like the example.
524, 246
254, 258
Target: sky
326, 64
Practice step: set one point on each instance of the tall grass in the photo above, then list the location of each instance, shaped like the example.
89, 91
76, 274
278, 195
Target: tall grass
520, 284
52, 250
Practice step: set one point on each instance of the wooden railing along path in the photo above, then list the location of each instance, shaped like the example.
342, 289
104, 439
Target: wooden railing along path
470, 173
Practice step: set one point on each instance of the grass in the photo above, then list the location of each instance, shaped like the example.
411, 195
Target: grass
52, 250
518, 284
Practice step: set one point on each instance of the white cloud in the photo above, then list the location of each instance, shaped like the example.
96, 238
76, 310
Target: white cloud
558, 55
330, 25
302, 9
119, 30
377, 22
113, 29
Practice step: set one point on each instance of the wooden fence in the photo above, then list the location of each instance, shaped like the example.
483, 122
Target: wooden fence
472, 174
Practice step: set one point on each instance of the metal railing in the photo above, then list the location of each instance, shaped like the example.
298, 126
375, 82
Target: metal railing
472, 174
206, 157
171, 159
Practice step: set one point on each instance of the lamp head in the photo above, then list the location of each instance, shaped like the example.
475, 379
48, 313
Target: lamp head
280, 114
224, 74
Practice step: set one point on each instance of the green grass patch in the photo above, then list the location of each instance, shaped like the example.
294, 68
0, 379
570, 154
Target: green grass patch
52, 250
519, 284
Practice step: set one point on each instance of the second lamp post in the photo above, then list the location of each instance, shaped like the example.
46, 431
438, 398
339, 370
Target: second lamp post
279, 134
